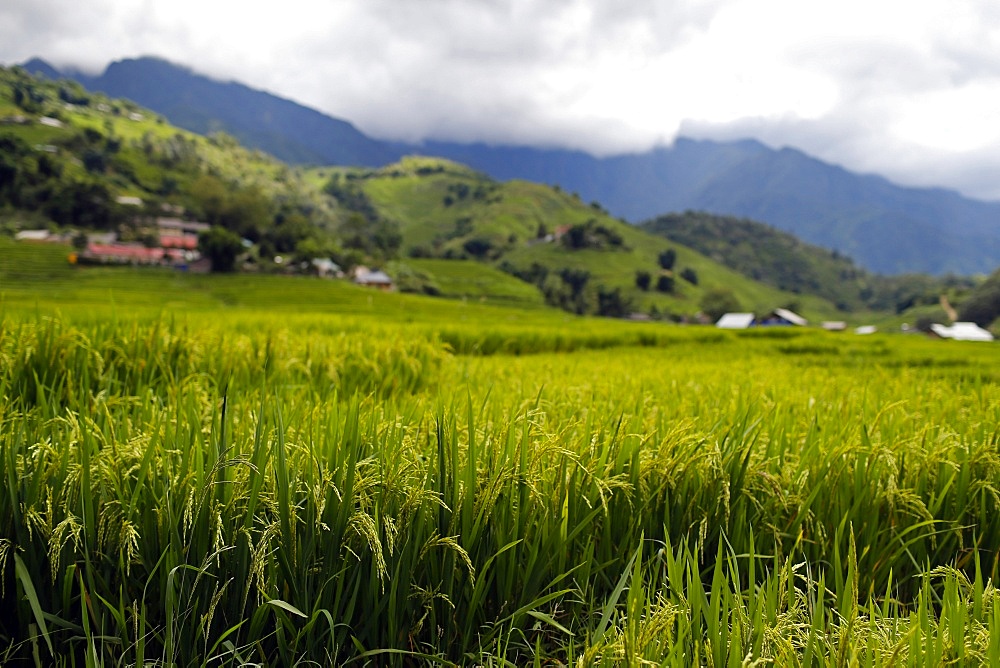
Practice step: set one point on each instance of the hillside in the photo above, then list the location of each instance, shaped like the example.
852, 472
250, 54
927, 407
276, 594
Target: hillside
85, 162
439, 228
887, 228
781, 260
580, 257
289, 131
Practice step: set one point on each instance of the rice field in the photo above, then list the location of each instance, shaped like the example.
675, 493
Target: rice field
339, 489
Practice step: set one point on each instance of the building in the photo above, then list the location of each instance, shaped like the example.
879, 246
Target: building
782, 316
962, 331
179, 226
182, 241
735, 321
375, 279
32, 235
131, 254
325, 267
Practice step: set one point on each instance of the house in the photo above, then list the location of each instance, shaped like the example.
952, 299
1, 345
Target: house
324, 266
179, 226
130, 254
865, 329
182, 241
962, 331
127, 200
375, 279
102, 238
782, 316
32, 235
735, 321
834, 325
560, 232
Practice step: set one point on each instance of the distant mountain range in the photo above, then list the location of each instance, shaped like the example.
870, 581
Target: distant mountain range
885, 227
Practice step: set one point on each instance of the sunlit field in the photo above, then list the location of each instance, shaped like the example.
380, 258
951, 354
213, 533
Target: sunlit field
272, 471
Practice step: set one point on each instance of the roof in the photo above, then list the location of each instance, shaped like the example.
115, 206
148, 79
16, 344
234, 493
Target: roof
129, 251
132, 252
185, 241
32, 235
325, 264
962, 331
735, 321
791, 317
373, 278
178, 224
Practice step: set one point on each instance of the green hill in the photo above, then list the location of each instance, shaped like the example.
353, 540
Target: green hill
579, 257
781, 260
68, 157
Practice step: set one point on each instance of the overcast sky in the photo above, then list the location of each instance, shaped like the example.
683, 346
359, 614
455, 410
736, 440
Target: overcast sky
906, 88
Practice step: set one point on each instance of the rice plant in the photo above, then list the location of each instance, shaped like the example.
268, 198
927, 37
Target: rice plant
180, 492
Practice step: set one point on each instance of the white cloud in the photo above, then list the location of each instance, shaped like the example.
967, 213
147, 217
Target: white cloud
908, 88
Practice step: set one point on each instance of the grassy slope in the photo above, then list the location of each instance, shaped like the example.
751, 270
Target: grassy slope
509, 214
767, 254
474, 280
220, 156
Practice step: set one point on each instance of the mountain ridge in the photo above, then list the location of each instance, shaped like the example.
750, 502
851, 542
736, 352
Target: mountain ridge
887, 228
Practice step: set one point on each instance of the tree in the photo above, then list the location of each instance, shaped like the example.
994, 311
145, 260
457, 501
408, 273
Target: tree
667, 259
576, 279
221, 247
611, 303
717, 302
983, 305
82, 204
95, 161
690, 275
665, 283
478, 247
642, 280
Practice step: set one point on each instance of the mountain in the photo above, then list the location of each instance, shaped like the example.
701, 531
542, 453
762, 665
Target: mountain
885, 227
289, 131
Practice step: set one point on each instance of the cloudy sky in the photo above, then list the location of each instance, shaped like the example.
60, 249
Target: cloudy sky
906, 88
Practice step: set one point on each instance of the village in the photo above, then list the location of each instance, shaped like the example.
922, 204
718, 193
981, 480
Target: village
172, 241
